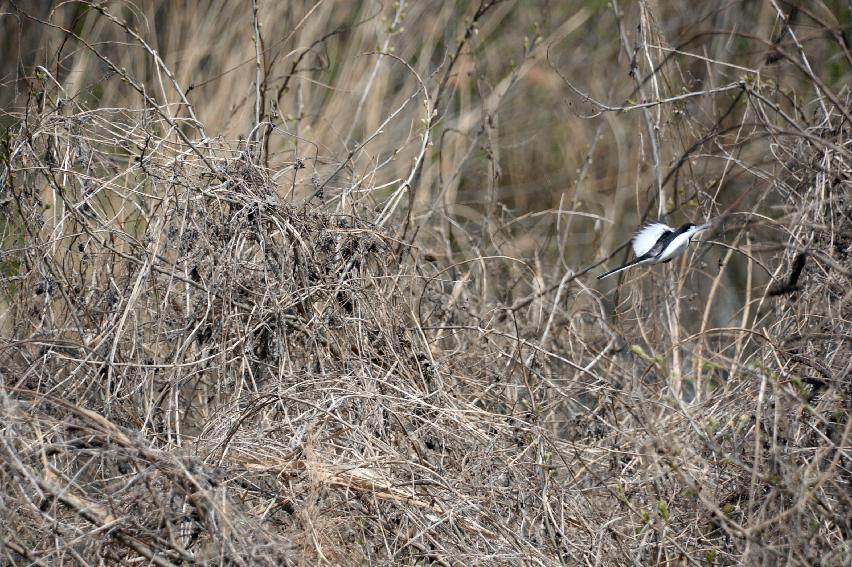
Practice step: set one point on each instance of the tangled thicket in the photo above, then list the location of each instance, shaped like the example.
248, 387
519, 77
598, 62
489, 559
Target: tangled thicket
203, 362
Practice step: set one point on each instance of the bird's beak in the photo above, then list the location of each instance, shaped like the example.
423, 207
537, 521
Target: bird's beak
699, 229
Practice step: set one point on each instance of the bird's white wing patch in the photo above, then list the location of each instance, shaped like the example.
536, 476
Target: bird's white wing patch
647, 236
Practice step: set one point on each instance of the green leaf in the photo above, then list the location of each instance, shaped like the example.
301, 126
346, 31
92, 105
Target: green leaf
663, 508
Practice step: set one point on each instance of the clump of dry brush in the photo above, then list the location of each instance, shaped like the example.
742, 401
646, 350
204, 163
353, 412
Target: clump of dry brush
201, 372
199, 368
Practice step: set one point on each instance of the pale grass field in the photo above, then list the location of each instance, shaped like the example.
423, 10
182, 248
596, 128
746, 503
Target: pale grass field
312, 283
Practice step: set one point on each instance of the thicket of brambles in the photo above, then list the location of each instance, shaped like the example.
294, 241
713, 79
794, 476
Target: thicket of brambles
312, 282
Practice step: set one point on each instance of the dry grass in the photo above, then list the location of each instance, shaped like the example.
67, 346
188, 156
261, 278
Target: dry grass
312, 284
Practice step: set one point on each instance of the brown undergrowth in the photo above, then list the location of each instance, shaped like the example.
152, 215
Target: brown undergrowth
235, 351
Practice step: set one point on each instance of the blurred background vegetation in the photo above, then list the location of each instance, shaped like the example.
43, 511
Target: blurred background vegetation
511, 136
519, 148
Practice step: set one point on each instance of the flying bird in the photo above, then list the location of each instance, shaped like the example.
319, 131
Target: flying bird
657, 243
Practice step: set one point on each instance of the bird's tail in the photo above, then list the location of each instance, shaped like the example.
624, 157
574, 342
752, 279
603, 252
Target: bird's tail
614, 271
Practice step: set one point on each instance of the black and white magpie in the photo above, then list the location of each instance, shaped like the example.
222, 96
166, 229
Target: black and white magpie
657, 243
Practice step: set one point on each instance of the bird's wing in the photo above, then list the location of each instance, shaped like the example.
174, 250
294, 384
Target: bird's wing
647, 236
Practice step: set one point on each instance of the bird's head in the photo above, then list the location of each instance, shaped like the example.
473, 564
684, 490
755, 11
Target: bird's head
693, 229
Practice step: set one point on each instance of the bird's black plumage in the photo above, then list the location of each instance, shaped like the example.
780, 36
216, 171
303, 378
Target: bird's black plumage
666, 239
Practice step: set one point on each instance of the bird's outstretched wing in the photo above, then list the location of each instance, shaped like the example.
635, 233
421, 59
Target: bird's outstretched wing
647, 236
